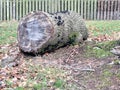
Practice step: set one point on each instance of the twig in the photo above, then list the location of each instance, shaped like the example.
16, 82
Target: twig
88, 69
74, 68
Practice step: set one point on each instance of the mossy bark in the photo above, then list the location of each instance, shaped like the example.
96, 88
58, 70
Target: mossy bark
41, 32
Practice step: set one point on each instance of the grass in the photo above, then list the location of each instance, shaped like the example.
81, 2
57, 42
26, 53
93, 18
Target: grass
40, 78
96, 52
101, 49
8, 32
97, 28
43, 78
103, 27
59, 83
108, 45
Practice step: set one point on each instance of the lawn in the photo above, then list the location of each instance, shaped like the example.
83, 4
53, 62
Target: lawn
103, 27
8, 32
76, 67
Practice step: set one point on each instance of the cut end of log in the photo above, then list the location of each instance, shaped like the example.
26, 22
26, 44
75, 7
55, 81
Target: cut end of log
34, 30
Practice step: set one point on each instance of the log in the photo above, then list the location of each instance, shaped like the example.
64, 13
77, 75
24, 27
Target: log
40, 31
116, 51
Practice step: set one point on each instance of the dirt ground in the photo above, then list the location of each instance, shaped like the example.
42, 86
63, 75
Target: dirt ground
85, 72
89, 73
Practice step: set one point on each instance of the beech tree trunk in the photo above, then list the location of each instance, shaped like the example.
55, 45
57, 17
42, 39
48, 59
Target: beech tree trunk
40, 31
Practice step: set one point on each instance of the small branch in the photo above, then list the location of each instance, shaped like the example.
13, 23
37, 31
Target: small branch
88, 69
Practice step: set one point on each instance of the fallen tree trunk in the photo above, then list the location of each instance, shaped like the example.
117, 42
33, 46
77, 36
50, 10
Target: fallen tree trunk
40, 31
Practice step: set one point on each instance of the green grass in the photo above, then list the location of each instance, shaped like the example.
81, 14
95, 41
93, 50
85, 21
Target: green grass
101, 49
103, 27
42, 78
108, 45
96, 52
19, 88
59, 83
8, 32
96, 28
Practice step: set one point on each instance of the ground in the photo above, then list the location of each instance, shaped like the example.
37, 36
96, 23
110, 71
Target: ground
88, 66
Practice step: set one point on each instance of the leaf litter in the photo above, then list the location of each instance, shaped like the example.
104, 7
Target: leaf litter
81, 71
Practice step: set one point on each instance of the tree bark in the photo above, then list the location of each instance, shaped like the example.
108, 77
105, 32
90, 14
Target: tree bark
40, 31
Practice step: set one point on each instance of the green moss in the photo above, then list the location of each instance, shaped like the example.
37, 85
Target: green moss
19, 88
9, 83
118, 75
59, 83
72, 38
50, 47
117, 62
107, 73
42, 51
60, 44
37, 87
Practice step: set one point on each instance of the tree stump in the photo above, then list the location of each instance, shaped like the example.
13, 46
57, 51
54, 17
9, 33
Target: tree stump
40, 31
